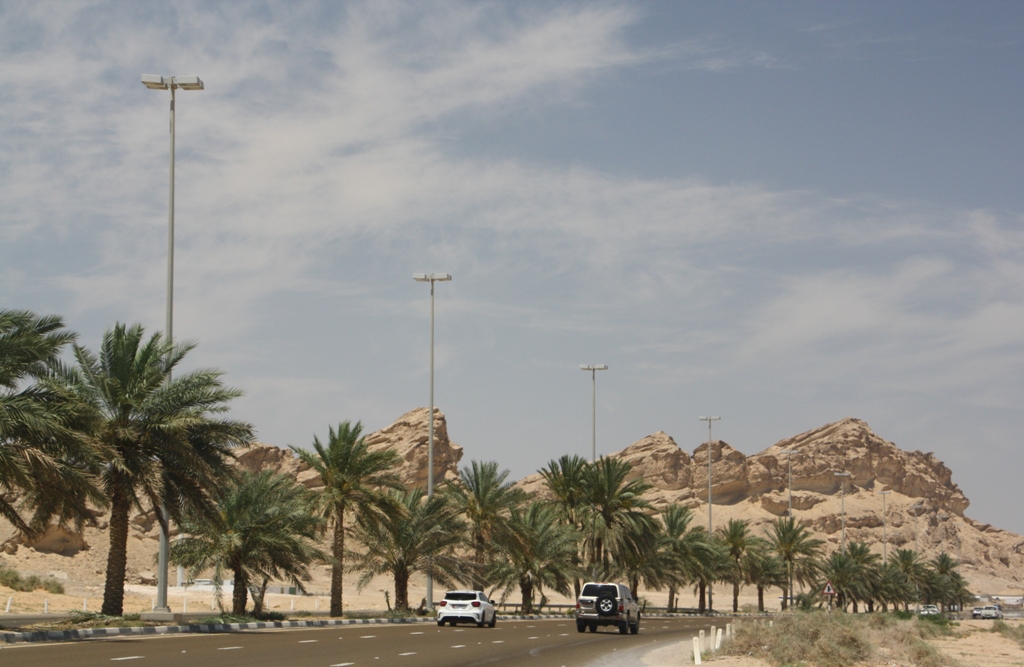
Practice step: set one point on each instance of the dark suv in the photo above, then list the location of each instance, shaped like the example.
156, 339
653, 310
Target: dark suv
607, 604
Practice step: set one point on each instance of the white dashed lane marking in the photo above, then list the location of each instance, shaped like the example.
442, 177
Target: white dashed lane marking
128, 657
413, 653
343, 664
497, 641
533, 637
368, 636
229, 648
459, 646
415, 633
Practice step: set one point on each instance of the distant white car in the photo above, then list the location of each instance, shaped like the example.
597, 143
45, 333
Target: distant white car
466, 607
991, 611
929, 610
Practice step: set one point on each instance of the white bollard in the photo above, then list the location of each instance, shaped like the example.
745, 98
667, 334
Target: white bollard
85, 604
711, 640
184, 605
703, 645
318, 603
771, 624
9, 604
293, 604
696, 649
46, 606
718, 639
153, 608
213, 601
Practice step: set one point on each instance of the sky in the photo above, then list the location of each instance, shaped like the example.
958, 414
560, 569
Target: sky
781, 213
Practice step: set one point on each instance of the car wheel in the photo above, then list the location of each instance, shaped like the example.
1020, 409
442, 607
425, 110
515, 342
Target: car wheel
623, 627
606, 605
593, 627
480, 623
494, 619
580, 626
440, 622
635, 628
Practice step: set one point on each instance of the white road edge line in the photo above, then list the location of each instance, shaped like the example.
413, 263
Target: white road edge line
129, 657
343, 664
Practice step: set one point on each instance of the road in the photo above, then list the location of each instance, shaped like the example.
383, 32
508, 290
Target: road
510, 644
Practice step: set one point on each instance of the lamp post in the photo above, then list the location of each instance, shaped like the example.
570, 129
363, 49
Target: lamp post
171, 83
593, 368
843, 476
917, 553
710, 531
789, 453
885, 541
431, 278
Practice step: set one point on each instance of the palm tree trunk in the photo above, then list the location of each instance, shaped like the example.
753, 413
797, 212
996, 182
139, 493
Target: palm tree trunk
401, 589
671, 598
117, 556
760, 599
711, 604
526, 588
634, 588
701, 606
785, 597
337, 568
478, 559
241, 593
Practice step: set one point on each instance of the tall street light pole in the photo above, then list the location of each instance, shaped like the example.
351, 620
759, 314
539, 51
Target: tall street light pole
789, 453
843, 476
885, 542
171, 83
593, 368
709, 419
431, 278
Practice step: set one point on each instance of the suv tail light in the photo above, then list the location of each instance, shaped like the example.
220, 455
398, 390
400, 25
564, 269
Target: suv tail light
621, 608
577, 604
443, 602
476, 603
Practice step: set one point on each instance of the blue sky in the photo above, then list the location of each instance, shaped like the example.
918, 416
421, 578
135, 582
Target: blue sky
781, 213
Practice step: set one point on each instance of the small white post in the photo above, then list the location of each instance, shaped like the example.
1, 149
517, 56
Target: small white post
184, 605
293, 604
702, 644
213, 600
711, 640
718, 639
46, 606
9, 604
85, 604
318, 603
696, 648
728, 630
153, 608
771, 624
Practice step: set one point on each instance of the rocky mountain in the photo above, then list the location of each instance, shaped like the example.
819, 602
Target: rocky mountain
923, 506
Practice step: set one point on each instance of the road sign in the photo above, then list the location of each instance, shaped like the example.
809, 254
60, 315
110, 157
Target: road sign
828, 589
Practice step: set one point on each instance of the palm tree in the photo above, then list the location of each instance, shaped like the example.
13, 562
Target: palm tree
687, 547
908, 563
159, 441
40, 457
716, 566
421, 537
615, 512
798, 550
870, 576
487, 502
264, 530
764, 569
736, 538
567, 479
847, 577
355, 479
645, 557
544, 558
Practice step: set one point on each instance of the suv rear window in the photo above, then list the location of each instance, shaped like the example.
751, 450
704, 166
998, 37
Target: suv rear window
595, 590
460, 596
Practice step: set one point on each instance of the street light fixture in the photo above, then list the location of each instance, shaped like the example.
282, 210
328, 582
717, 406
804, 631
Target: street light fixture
431, 278
789, 453
710, 532
843, 476
593, 368
885, 541
171, 83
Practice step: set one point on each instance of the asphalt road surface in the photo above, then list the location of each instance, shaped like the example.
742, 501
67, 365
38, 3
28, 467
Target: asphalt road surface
511, 643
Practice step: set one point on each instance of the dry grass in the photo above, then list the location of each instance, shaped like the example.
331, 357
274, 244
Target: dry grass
1014, 632
839, 640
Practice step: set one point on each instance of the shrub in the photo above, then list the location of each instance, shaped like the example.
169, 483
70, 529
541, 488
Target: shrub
11, 579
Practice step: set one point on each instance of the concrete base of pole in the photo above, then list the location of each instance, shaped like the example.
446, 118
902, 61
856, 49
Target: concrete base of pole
162, 616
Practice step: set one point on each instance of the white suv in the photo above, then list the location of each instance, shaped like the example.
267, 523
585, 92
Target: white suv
602, 604
466, 606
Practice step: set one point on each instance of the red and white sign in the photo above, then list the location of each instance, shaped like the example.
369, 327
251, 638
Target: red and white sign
828, 589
